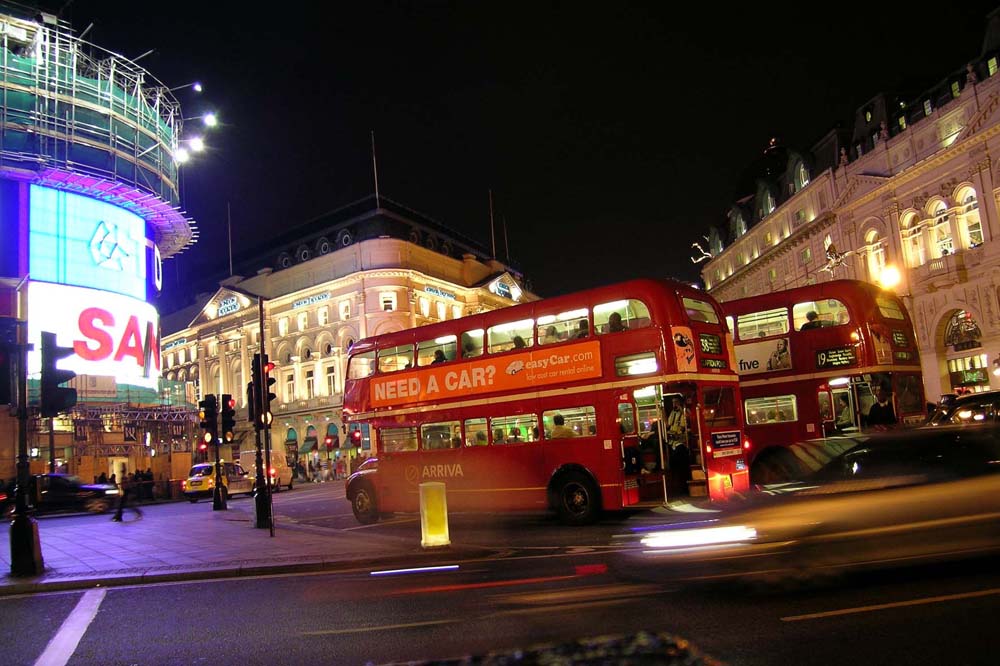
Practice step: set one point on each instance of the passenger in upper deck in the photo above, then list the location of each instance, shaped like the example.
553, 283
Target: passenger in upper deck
439, 357
812, 321
551, 335
519, 342
615, 324
584, 329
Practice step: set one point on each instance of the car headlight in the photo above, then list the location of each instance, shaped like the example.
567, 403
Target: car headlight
693, 538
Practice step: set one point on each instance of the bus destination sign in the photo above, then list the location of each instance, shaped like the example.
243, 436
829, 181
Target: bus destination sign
839, 357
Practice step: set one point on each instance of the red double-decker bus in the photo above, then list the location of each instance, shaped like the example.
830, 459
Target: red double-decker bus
560, 404
812, 362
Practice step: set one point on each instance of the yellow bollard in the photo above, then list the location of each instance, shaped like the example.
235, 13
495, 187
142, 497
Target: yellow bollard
433, 515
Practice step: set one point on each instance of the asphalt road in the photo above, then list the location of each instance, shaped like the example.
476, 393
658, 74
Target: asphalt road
549, 584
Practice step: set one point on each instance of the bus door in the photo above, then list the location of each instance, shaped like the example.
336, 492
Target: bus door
827, 423
682, 434
631, 457
845, 410
722, 442
640, 417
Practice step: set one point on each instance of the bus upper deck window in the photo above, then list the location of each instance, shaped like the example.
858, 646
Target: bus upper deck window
472, 343
763, 324
700, 310
616, 316
889, 307
819, 314
361, 365
511, 335
562, 326
438, 350
393, 359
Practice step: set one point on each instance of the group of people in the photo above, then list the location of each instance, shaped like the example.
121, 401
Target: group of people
321, 470
677, 453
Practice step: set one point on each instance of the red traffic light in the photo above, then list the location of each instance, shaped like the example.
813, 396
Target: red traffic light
268, 367
203, 446
356, 437
232, 403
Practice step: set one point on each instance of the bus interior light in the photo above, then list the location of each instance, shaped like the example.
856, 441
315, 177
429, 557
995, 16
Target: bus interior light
445, 340
840, 381
572, 314
615, 305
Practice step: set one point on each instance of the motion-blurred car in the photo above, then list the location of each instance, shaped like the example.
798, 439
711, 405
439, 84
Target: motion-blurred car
970, 409
907, 496
48, 493
201, 481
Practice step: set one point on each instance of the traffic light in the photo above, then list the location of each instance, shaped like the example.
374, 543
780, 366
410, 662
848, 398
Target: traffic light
55, 398
228, 417
356, 438
208, 412
266, 392
261, 390
252, 401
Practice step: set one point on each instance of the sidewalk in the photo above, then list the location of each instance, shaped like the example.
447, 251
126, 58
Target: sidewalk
171, 544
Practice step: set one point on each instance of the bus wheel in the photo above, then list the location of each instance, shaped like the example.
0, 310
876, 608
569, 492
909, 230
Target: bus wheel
363, 504
577, 499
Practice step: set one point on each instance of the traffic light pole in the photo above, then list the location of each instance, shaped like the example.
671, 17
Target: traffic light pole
52, 445
263, 507
25, 548
218, 496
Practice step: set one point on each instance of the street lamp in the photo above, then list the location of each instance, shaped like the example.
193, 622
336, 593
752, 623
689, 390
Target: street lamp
889, 277
194, 85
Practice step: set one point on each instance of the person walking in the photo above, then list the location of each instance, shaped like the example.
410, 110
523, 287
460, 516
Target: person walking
129, 485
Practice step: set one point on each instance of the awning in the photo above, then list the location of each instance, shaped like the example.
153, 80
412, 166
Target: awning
308, 445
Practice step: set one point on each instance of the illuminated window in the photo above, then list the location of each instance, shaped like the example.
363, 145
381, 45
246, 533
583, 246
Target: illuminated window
394, 359
772, 274
700, 311
563, 326
331, 379
388, 301
289, 387
425, 307
902, 122
890, 307
397, 439
991, 65
829, 312
323, 316
805, 256
438, 436
442, 310
438, 350
302, 321
472, 343
955, 90
519, 429
283, 326
928, 109
476, 432
361, 365
802, 175
762, 324
633, 314
626, 418
913, 242
310, 384
772, 409
971, 224
868, 116
456, 311
636, 364
941, 231
511, 335
569, 422
345, 310
768, 238
876, 255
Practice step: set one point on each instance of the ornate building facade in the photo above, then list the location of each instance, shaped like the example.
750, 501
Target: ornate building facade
908, 201
359, 272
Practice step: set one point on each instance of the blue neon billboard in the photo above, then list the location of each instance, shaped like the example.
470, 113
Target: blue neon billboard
76, 240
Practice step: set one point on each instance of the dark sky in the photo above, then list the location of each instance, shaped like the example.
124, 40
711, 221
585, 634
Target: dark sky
612, 135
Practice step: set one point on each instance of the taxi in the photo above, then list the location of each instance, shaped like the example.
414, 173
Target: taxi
201, 481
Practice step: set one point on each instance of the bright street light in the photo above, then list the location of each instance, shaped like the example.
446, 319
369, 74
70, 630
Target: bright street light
889, 277
194, 85
197, 144
182, 155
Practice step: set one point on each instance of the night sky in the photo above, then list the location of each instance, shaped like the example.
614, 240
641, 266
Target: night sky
612, 136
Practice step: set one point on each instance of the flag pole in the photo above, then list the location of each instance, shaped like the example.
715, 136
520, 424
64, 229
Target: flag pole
493, 240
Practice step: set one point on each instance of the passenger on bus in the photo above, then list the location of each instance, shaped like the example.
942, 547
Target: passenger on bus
560, 430
812, 321
515, 435
615, 324
519, 342
881, 414
845, 419
498, 436
439, 357
480, 438
551, 335
583, 329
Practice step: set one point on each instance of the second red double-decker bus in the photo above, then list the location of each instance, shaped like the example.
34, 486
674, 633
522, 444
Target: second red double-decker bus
815, 360
609, 398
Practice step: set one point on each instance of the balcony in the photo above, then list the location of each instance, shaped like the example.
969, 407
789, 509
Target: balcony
319, 402
947, 271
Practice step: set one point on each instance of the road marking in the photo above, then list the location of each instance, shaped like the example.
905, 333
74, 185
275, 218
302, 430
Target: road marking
895, 604
384, 522
384, 627
63, 644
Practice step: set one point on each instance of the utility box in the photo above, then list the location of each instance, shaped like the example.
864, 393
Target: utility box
433, 515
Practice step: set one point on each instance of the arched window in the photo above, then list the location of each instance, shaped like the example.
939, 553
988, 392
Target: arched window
801, 176
914, 249
971, 225
291, 436
876, 255
941, 231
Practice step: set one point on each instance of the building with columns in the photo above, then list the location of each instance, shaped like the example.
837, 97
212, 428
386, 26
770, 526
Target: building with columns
367, 269
908, 200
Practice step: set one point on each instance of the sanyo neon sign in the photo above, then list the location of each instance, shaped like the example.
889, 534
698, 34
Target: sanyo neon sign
112, 335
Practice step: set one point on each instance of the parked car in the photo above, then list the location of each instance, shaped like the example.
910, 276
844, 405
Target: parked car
201, 481
49, 493
893, 498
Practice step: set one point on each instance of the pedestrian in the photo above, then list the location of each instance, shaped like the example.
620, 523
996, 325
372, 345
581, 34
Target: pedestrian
128, 486
103, 479
881, 414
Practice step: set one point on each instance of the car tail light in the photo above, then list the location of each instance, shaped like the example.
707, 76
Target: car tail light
184, 484
272, 472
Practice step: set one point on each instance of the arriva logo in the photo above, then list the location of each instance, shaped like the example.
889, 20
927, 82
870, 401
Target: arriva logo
414, 474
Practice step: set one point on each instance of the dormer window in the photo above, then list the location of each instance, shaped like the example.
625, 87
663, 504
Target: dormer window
868, 115
801, 176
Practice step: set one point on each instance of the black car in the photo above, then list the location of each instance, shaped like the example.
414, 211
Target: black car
970, 409
64, 492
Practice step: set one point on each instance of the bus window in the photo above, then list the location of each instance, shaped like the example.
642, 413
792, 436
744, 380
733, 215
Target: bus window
772, 409
514, 429
889, 307
563, 326
632, 315
829, 312
393, 359
825, 409
437, 436
626, 418
762, 324
700, 311
398, 439
569, 422
427, 351
476, 432
472, 343
844, 410
646, 406
512, 335
909, 394
720, 406
361, 365
636, 364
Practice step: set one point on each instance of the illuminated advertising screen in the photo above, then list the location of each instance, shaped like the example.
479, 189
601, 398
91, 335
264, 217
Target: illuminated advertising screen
112, 335
80, 241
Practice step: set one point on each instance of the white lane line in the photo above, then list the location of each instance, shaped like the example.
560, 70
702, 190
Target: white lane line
63, 644
896, 604
385, 627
